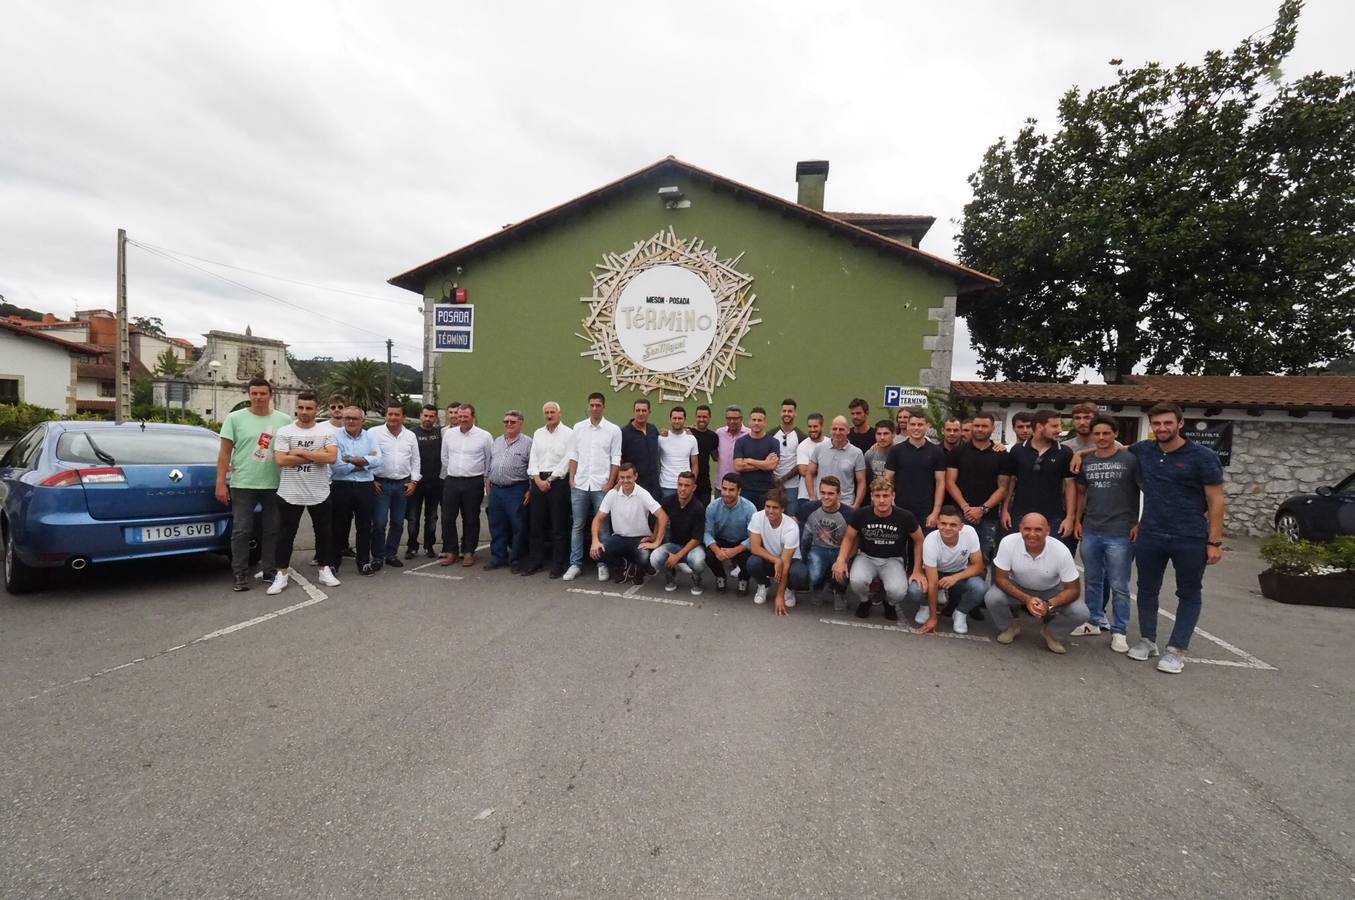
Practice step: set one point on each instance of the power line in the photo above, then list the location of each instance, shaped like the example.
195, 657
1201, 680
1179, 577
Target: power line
157, 252
323, 287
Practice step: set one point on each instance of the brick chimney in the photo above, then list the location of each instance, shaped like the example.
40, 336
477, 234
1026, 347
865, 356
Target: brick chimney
811, 175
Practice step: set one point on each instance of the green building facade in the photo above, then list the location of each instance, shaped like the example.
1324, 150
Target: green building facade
796, 302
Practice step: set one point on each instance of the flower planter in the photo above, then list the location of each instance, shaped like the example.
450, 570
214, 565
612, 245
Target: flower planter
1336, 589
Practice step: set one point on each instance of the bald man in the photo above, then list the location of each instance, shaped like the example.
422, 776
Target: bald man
839, 458
1031, 571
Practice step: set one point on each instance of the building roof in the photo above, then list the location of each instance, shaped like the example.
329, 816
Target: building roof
1333, 393
246, 338
968, 280
72, 346
888, 224
104, 370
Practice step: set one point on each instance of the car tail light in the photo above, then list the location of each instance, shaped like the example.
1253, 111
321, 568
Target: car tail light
109, 475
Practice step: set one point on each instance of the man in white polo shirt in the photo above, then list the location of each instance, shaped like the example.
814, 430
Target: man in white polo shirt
594, 455
1031, 571
628, 506
953, 562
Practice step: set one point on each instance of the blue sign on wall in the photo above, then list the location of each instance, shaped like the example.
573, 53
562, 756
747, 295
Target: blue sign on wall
454, 328
898, 395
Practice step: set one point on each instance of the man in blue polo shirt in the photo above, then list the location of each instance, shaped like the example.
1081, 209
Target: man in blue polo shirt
1182, 524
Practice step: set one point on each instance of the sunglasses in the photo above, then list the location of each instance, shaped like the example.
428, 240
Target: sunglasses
783, 440
352, 418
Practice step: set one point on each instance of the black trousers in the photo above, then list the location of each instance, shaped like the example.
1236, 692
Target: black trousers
464, 496
717, 567
426, 501
354, 500
289, 520
550, 512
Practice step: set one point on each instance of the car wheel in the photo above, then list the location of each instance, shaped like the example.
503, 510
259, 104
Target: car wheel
19, 578
1287, 524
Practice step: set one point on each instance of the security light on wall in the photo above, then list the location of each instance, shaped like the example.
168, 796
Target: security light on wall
673, 198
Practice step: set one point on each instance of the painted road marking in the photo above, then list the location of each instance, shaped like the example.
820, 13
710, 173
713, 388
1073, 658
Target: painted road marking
418, 570
1249, 661
631, 595
907, 629
314, 595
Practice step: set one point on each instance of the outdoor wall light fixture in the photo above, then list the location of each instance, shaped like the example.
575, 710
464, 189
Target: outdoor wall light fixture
673, 198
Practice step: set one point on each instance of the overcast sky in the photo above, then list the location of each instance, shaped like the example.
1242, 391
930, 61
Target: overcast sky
340, 144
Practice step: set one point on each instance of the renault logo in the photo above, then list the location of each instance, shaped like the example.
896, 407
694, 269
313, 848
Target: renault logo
176, 476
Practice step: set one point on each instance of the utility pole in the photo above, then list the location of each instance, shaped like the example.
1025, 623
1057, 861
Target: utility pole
389, 345
122, 361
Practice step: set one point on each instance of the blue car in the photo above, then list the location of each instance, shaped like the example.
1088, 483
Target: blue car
74, 494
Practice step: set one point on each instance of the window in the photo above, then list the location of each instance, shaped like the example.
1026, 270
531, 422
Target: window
107, 389
9, 390
132, 446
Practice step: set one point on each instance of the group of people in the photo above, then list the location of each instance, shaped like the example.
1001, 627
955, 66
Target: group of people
879, 511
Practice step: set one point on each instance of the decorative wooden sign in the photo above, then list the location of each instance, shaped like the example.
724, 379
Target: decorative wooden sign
670, 316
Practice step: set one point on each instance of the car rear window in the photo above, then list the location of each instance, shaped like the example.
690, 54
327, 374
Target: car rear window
136, 447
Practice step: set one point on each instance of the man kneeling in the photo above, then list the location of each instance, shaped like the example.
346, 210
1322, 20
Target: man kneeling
774, 552
626, 551
885, 535
953, 561
1032, 571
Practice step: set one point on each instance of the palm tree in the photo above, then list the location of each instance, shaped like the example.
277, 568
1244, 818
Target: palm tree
362, 381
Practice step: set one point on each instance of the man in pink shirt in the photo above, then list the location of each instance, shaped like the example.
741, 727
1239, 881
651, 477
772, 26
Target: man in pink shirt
730, 432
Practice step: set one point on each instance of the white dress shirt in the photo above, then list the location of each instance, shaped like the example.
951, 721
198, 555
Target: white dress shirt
550, 451
596, 448
466, 454
399, 454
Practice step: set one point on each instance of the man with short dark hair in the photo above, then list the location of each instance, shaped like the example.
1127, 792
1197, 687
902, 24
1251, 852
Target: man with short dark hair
826, 522
247, 476
861, 436
1107, 524
678, 452
626, 550
877, 455
787, 475
397, 479
804, 456
640, 446
1182, 524
467, 451
594, 459
1081, 438
977, 476
707, 449
756, 458
774, 553
1033, 571
682, 550
917, 469
304, 454
951, 435
352, 480
877, 545
726, 533
1041, 479
953, 562
727, 436
426, 501
507, 494
1023, 425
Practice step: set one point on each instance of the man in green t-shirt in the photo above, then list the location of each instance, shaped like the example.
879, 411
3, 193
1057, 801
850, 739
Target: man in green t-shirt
247, 458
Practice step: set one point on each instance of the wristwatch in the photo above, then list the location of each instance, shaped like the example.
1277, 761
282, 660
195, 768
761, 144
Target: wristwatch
1218, 544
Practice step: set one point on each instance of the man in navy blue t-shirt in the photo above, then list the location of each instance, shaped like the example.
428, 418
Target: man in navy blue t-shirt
1182, 523
756, 458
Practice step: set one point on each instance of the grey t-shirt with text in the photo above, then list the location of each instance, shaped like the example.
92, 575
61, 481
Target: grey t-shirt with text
1112, 493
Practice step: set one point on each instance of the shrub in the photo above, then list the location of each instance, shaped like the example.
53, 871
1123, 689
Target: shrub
1341, 553
17, 418
1292, 557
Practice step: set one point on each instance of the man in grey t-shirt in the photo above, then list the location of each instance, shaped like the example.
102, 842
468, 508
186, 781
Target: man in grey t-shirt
1107, 523
304, 451
839, 458
825, 525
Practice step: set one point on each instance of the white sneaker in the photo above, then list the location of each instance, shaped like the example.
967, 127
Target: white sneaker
1119, 643
790, 598
1144, 649
603, 572
761, 596
1172, 662
327, 577
924, 613
697, 590
670, 582
279, 584
571, 573
1086, 629
959, 622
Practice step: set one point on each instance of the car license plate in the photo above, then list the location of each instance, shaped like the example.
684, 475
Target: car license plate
153, 533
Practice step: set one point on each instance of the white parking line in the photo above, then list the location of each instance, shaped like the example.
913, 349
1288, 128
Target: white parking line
1249, 661
630, 595
905, 629
418, 570
313, 593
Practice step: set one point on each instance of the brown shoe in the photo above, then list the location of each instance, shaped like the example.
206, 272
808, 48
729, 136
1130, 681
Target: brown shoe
468, 560
1010, 634
447, 559
1053, 643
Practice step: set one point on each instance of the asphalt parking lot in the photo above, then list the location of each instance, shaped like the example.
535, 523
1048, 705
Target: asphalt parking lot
452, 732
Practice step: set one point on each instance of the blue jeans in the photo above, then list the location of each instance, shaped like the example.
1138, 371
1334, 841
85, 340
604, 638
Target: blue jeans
760, 570
1107, 559
618, 549
583, 506
389, 511
987, 529
1188, 557
968, 594
694, 560
507, 523
820, 563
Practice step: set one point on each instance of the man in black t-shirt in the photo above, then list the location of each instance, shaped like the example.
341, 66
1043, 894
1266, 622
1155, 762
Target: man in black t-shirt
426, 501
681, 550
1042, 481
917, 468
708, 448
977, 477
884, 534
861, 435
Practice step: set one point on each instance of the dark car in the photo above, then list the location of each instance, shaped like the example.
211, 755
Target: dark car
1321, 516
74, 494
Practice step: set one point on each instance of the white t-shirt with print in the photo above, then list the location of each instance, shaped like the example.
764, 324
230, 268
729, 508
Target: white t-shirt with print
947, 559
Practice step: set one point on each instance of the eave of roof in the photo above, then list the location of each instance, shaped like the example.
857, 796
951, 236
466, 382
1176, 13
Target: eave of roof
72, 346
968, 280
1332, 393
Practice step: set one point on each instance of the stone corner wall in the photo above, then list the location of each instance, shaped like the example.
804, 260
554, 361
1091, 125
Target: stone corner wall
1272, 461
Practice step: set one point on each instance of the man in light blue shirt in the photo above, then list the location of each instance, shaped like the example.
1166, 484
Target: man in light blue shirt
351, 485
727, 532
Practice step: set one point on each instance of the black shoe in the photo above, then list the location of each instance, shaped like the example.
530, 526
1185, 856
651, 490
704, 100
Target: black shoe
367, 570
349, 552
976, 615
531, 570
637, 574
375, 565
515, 569
494, 564
555, 574
621, 574
863, 609
430, 553
394, 562
411, 553
241, 582
891, 613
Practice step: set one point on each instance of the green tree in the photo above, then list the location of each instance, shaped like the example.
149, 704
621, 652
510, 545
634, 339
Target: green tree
1198, 218
169, 364
362, 381
149, 324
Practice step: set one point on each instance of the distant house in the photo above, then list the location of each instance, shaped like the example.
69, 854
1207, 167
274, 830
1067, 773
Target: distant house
218, 382
40, 369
